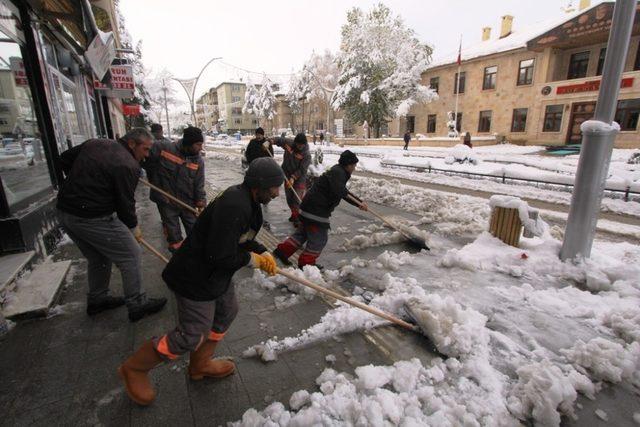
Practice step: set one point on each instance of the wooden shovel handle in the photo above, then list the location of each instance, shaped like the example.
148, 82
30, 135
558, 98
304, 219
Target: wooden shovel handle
380, 217
169, 196
349, 301
152, 249
286, 181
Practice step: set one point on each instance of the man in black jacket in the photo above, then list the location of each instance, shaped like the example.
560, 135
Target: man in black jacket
178, 169
200, 272
97, 209
316, 209
258, 147
295, 162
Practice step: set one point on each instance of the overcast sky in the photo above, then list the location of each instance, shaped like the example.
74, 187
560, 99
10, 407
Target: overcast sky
277, 36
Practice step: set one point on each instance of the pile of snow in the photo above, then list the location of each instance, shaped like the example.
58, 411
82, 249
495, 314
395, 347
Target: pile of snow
607, 360
309, 272
461, 153
449, 213
456, 331
544, 392
613, 266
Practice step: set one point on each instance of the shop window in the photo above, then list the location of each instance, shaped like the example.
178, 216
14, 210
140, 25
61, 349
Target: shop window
519, 121
431, 123
484, 121
24, 172
525, 72
578, 64
489, 79
636, 65
459, 84
603, 53
552, 118
627, 114
434, 83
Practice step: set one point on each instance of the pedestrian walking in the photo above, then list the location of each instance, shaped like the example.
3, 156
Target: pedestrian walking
199, 274
322, 139
178, 169
295, 162
467, 140
315, 211
258, 147
407, 139
97, 209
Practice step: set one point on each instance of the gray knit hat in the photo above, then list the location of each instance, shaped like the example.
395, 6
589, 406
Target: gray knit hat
263, 172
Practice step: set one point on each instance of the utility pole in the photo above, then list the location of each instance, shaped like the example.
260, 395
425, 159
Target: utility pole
189, 86
598, 137
166, 108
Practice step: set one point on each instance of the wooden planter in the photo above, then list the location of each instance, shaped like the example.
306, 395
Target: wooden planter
505, 224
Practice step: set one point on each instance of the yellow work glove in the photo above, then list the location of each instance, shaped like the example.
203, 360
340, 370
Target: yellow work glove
136, 232
264, 262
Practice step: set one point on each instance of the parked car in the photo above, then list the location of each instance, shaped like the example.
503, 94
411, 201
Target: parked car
12, 149
222, 137
7, 141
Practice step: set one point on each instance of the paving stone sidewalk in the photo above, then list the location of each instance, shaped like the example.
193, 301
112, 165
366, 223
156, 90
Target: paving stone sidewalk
62, 370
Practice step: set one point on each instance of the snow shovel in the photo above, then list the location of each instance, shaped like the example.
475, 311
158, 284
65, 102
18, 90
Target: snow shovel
286, 181
416, 241
170, 197
349, 301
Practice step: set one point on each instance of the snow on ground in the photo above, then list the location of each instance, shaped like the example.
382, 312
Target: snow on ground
524, 333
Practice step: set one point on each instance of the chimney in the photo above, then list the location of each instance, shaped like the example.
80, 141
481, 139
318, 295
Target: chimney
505, 27
584, 4
486, 33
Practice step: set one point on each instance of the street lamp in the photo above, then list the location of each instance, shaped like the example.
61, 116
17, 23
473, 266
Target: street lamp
189, 86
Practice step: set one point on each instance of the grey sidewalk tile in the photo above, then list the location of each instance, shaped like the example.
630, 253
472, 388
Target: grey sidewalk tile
216, 401
262, 379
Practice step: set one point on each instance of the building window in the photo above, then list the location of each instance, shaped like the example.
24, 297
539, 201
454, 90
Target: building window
603, 53
459, 122
236, 110
434, 83
237, 121
431, 123
519, 121
411, 124
484, 122
578, 65
459, 84
525, 72
489, 80
254, 122
636, 66
235, 99
627, 114
552, 118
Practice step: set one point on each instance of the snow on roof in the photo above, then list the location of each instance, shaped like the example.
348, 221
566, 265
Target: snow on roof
517, 39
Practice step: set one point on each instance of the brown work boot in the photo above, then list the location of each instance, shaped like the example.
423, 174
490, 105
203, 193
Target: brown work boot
134, 374
201, 365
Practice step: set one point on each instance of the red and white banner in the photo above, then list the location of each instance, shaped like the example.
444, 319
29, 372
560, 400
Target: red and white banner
131, 109
19, 74
122, 77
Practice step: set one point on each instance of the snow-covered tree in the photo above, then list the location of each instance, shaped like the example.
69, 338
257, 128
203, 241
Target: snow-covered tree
260, 102
380, 63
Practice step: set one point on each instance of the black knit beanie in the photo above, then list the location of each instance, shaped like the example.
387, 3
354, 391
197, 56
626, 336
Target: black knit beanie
347, 158
263, 173
260, 131
300, 138
191, 136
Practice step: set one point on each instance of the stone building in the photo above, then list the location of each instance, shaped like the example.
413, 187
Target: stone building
533, 85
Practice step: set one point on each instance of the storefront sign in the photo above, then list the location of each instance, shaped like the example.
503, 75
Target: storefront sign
97, 84
122, 79
100, 53
131, 109
19, 74
589, 86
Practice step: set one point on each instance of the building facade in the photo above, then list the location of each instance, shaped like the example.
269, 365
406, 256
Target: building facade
534, 86
49, 102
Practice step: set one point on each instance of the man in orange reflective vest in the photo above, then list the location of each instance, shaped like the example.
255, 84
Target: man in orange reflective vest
178, 169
